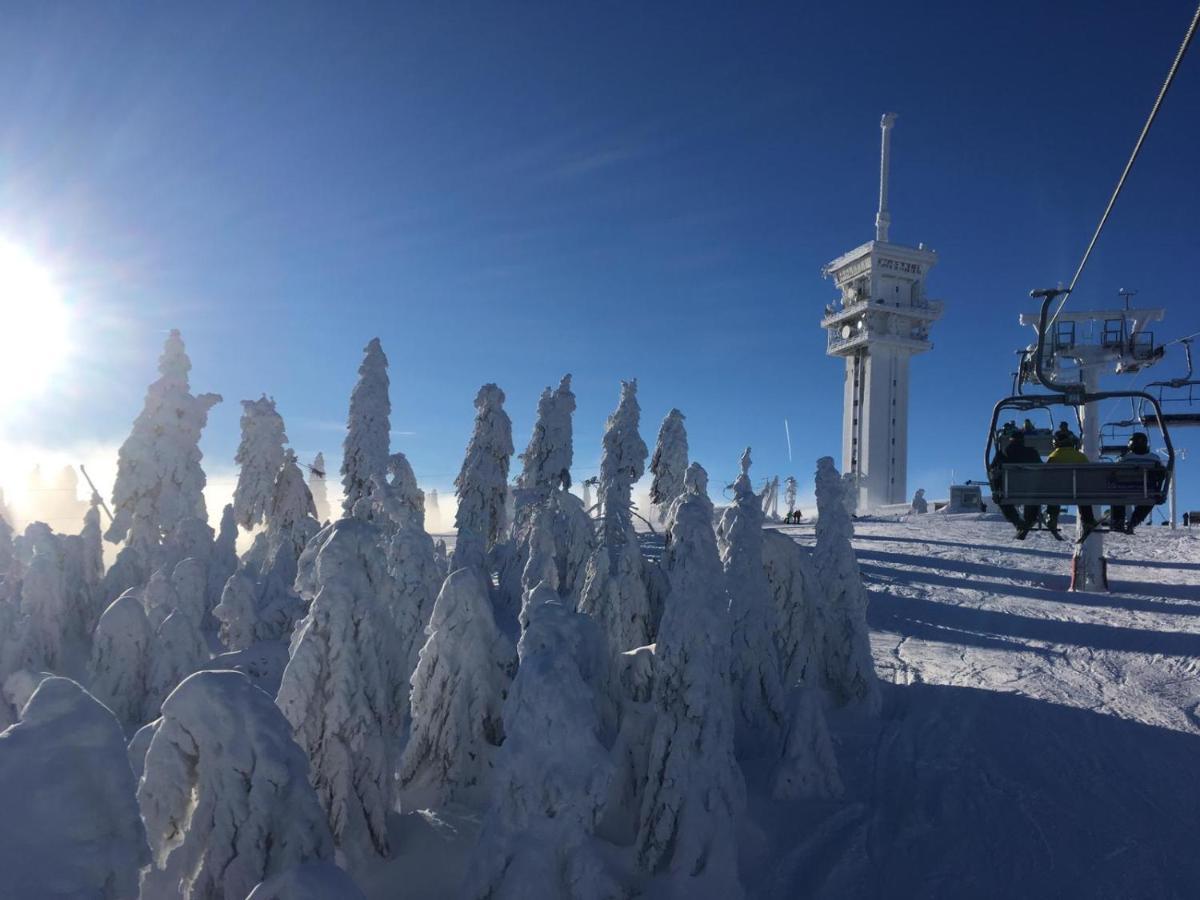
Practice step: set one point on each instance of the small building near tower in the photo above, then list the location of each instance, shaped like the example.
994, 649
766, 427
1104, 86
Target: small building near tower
881, 319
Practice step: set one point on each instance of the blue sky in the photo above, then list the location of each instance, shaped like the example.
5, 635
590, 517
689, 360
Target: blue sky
507, 192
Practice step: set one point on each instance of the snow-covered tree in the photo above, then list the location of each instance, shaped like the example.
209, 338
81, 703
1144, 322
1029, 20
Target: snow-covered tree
547, 460
794, 592
179, 645
482, 483
789, 494
541, 569
223, 561
225, 793
238, 612
850, 493
669, 463
405, 498
159, 479
552, 776
318, 487
339, 688
119, 672
54, 598
92, 550
365, 450
457, 691
158, 597
260, 454
70, 826
290, 512
614, 590
849, 672
694, 791
544, 484
808, 767
757, 688
412, 564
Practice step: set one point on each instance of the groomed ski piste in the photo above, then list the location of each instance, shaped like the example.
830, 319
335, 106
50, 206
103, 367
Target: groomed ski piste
1033, 742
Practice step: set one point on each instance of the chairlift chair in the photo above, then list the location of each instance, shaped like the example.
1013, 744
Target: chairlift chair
1184, 391
1083, 484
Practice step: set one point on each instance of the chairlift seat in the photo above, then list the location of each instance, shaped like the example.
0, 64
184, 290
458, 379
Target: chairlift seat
1173, 420
1082, 484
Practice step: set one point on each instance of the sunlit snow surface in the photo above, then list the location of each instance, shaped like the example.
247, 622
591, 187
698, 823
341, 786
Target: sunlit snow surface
1033, 742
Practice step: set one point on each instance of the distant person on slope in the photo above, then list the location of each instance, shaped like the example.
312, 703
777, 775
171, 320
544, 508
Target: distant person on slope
1066, 453
1017, 453
1137, 454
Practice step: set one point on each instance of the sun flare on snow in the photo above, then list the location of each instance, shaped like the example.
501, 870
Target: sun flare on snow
34, 327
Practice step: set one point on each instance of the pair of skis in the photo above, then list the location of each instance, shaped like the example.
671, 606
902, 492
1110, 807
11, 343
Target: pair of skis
1101, 526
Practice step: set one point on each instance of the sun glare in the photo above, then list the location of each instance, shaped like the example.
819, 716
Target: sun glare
34, 327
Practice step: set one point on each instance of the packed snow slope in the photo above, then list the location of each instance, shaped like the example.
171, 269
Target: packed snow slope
1033, 742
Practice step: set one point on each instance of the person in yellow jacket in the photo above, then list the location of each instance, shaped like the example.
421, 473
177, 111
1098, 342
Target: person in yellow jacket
1066, 453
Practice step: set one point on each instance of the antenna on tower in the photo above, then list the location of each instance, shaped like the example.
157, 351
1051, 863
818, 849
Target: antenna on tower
883, 218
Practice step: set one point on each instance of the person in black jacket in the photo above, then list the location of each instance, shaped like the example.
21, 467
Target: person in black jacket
1016, 451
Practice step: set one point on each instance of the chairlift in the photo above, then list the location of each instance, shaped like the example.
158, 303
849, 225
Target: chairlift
1083, 484
1183, 391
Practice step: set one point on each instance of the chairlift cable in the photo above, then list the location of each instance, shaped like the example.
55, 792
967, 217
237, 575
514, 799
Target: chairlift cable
1137, 149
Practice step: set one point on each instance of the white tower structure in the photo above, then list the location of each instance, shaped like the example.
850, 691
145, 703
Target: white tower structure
880, 321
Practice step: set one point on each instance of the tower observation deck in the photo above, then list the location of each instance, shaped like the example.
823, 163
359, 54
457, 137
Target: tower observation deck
881, 319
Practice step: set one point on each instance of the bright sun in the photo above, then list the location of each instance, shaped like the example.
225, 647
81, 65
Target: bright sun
34, 327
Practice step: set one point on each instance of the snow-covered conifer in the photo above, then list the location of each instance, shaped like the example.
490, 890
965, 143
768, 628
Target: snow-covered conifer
412, 564
809, 767
849, 672
482, 483
260, 454
669, 463
119, 672
365, 450
70, 826
50, 597
794, 591
458, 690
179, 645
694, 791
290, 512
757, 688
622, 463
614, 591
238, 612
223, 561
339, 689
158, 597
547, 460
92, 548
407, 502
552, 776
544, 483
850, 493
318, 487
159, 479
789, 494
542, 566
225, 793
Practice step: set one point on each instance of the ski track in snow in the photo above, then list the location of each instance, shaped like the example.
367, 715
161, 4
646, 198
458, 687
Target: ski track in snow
1034, 742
